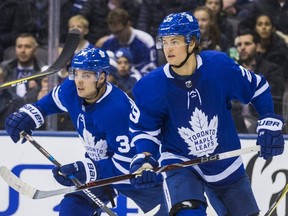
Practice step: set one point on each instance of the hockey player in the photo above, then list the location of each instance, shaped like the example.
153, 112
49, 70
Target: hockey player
100, 113
183, 107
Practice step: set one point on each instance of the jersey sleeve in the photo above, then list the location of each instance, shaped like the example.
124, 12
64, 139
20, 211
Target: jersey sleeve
146, 117
247, 87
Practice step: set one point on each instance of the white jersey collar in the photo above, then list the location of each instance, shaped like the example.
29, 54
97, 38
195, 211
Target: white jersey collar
167, 71
107, 92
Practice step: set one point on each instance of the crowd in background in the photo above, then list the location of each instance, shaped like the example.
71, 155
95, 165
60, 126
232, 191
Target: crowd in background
253, 33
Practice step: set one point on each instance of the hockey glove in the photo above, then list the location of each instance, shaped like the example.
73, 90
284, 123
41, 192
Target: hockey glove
144, 165
84, 171
270, 138
28, 118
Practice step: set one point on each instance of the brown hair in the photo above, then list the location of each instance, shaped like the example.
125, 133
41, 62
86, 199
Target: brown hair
118, 16
214, 33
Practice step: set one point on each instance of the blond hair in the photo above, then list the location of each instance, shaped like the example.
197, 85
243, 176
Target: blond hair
79, 18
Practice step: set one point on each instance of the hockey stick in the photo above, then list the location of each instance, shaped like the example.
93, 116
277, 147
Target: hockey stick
89, 194
28, 191
280, 196
70, 46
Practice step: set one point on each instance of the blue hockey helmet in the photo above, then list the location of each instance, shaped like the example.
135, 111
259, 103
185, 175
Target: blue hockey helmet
184, 24
91, 59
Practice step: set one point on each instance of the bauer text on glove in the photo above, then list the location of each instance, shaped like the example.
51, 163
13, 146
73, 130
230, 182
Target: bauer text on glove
270, 138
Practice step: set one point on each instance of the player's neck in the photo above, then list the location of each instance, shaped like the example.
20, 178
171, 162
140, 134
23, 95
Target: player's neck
97, 96
188, 68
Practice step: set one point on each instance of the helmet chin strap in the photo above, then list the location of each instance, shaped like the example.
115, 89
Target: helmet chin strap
185, 60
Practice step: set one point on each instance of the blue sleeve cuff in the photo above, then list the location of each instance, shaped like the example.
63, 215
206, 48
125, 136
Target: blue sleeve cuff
147, 146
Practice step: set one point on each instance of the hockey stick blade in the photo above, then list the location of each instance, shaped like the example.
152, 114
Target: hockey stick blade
25, 189
69, 48
22, 187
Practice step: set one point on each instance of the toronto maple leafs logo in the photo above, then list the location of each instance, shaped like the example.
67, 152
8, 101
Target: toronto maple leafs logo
202, 137
97, 150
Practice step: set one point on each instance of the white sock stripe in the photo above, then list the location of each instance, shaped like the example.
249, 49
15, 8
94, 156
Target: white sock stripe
34, 113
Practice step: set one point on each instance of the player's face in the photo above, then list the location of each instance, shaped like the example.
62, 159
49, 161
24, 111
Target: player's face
246, 47
264, 27
85, 83
174, 48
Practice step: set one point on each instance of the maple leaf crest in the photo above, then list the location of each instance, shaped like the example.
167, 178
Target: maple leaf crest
96, 151
88, 138
202, 137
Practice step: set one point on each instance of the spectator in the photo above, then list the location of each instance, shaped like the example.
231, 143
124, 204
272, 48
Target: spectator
237, 8
37, 16
277, 10
153, 12
9, 101
224, 26
25, 64
125, 77
140, 43
13, 20
211, 37
77, 6
43, 89
80, 22
96, 12
246, 44
271, 46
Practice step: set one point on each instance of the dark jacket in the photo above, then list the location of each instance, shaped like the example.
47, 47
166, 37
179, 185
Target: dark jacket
96, 11
13, 21
10, 73
275, 77
152, 12
273, 9
9, 103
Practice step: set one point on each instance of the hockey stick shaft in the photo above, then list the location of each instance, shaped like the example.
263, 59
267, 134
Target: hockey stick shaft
70, 46
92, 196
29, 191
280, 196
166, 168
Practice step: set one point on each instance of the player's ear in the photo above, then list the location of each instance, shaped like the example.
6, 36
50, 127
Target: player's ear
192, 45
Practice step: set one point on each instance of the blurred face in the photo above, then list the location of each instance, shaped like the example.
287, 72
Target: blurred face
214, 5
264, 27
85, 83
121, 32
203, 20
123, 66
79, 25
25, 49
246, 47
174, 48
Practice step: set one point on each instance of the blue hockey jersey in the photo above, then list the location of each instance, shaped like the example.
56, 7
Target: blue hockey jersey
189, 117
142, 47
102, 126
